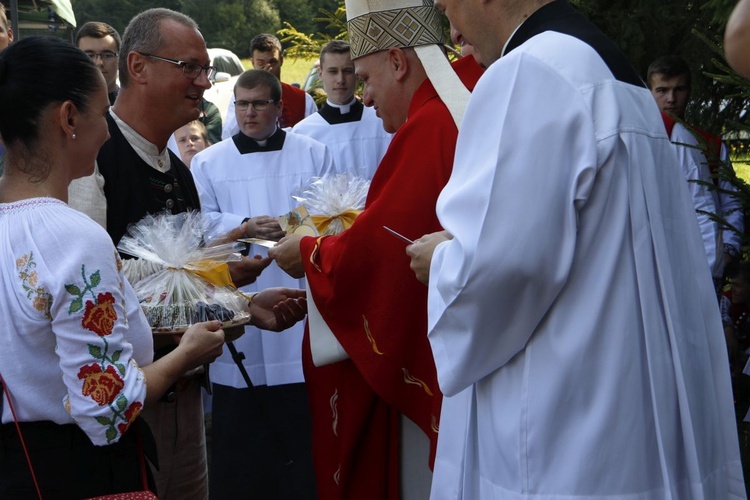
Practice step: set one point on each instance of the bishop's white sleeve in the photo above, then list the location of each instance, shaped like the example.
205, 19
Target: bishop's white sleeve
525, 163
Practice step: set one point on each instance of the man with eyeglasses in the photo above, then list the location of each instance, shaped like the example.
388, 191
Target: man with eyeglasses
101, 42
262, 431
267, 54
163, 71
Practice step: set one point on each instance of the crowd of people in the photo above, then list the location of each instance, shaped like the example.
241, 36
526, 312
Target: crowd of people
531, 304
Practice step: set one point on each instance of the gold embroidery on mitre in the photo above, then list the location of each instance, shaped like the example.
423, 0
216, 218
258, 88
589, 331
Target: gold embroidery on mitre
400, 27
370, 337
335, 411
409, 379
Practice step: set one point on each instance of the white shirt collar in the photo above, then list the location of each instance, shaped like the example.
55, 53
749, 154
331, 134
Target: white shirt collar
343, 108
146, 150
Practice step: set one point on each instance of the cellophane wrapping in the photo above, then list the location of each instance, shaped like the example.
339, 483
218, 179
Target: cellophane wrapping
176, 296
332, 196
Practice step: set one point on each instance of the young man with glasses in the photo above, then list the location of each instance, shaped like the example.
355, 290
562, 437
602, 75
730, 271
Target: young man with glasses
267, 54
262, 431
164, 72
101, 42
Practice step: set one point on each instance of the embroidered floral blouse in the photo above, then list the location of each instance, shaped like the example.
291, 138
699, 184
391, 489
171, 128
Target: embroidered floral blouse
72, 335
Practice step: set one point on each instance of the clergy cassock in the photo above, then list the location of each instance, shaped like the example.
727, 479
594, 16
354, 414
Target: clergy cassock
353, 133
236, 179
361, 283
573, 320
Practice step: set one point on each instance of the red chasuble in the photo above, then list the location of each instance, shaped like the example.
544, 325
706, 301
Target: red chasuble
376, 308
294, 105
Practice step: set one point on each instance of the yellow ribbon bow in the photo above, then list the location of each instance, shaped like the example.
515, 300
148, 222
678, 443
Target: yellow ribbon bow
346, 219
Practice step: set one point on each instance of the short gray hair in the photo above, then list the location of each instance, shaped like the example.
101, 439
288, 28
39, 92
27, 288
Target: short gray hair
143, 34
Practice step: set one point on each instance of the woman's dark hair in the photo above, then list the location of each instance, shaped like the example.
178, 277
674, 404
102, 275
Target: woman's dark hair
35, 72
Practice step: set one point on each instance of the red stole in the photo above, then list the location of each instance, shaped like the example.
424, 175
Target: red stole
294, 105
377, 309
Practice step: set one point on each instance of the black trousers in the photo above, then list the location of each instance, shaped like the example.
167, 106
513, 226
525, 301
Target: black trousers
261, 444
66, 464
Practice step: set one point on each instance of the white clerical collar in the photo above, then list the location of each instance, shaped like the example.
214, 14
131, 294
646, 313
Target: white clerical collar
511, 38
343, 108
146, 150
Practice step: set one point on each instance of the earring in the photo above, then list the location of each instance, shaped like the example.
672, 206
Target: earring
73, 137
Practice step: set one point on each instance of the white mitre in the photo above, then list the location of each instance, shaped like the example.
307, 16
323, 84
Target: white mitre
376, 25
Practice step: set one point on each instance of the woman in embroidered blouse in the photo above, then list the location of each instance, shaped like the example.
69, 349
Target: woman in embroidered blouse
75, 349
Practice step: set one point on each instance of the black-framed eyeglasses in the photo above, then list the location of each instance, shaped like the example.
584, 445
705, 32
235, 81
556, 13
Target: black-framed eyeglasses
105, 55
189, 69
259, 105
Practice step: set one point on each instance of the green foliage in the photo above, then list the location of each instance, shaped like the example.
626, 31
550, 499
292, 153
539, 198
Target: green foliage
647, 29
307, 46
296, 13
232, 23
229, 24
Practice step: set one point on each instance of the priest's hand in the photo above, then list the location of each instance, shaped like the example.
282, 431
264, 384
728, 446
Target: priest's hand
265, 228
277, 309
421, 253
287, 255
247, 270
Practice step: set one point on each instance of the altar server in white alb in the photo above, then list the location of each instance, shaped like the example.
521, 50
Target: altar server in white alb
571, 311
353, 132
252, 176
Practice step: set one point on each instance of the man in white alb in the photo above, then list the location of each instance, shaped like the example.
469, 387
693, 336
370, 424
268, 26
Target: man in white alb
353, 133
265, 431
571, 310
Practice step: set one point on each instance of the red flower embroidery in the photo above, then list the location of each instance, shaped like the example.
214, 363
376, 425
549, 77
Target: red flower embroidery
100, 317
101, 386
131, 414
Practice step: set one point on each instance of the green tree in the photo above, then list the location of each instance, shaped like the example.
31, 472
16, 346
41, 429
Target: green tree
298, 13
232, 24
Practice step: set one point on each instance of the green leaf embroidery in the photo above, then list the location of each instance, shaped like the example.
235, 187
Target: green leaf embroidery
104, 421
120, 367
95, 351
116, 356
73, 290
95, 279
122, 402
111, 434
76, 305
